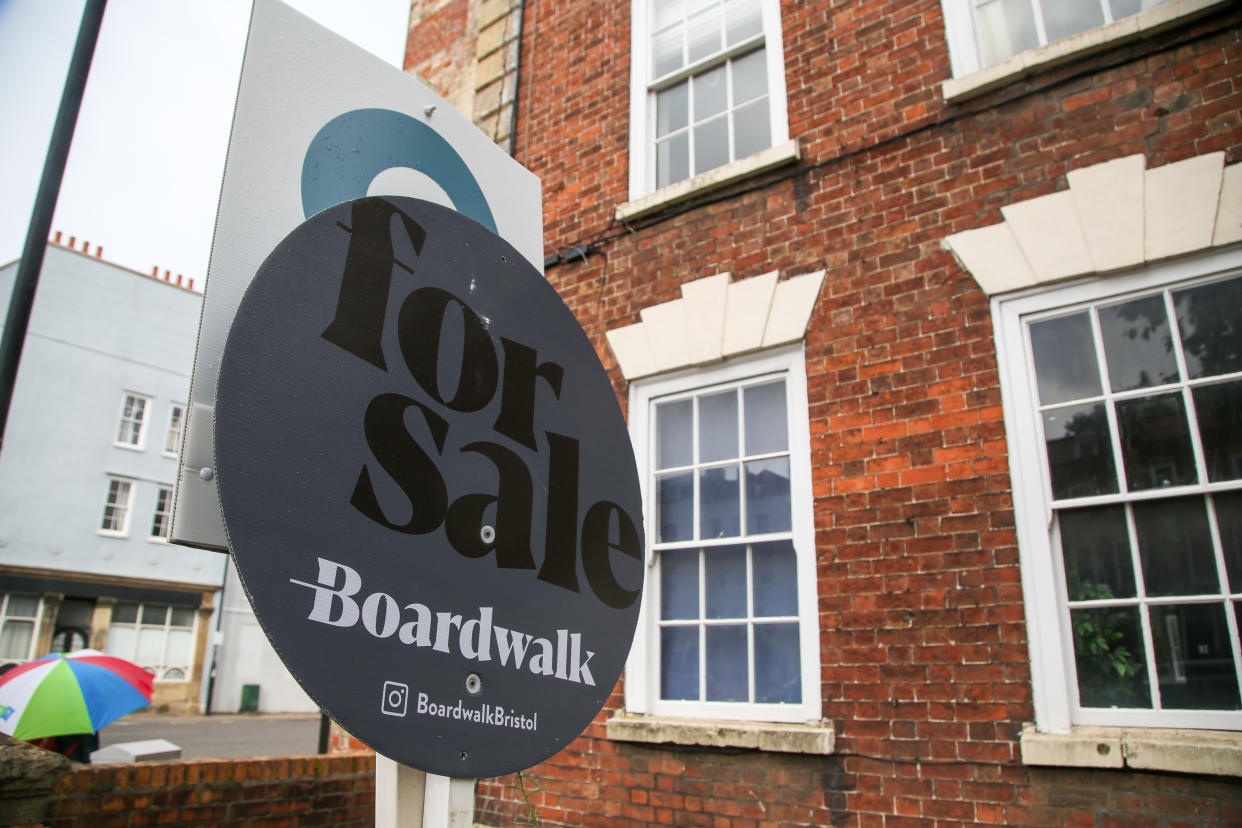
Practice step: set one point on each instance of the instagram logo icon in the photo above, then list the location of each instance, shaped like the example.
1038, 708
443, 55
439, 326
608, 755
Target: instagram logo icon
396, 697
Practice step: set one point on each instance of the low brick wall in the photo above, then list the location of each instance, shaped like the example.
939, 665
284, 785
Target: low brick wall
337, 790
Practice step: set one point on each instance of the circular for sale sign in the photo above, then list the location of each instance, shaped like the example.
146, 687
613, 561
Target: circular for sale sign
429, 488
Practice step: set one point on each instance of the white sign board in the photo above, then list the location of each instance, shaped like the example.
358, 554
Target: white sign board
320, 121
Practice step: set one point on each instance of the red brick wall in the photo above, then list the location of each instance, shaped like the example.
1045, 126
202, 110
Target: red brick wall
284, 792
925, 670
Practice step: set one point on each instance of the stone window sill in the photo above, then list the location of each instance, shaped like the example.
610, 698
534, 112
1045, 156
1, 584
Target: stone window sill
705, 182
1214, 752
1141, 25
816, 738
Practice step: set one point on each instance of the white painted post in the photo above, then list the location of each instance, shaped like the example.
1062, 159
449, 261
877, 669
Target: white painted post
409, 798
399, 794
449, 802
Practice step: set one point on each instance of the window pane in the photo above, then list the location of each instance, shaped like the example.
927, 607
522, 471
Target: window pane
778, 671
679, 663
121, 642
154, 614
752, 131
124, 613
25, 606
743, 19
718, 427
673, 160
179, 644
664, 12
767, 496
1229, 522
765, 418
675, 506
1063, 18
1108, 654
776, 579
150, 651
174, 674
1219, 411
1124, 8
710, 93
1175, 547
1080, 457
1207, 319
1137, 344
666, 54
173, 440
720, 508
674, 439
727, 666
1155, 442
724, 579
15, 639
672, 109
1194, 660
703, 35
1006, 27
679, 584
182, 617
1096, 549
711, 145
750, 77
1065, 364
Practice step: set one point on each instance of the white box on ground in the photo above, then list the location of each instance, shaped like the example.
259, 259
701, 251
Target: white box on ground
146, 750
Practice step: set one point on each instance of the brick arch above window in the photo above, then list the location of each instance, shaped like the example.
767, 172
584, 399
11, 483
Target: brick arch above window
714, 319
1113, 216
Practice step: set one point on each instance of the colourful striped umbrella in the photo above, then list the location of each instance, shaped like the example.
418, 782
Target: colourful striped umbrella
65, 693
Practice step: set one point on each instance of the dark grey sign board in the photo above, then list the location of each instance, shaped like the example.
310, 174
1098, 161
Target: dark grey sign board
428, 488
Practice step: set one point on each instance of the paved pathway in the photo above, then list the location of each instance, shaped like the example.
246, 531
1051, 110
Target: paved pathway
222, 736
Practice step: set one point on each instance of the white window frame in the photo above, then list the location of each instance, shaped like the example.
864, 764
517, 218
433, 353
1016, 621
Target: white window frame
176, 425
159, 533
1049, 632
127, 508
140, 422
971, 77
137, 625
642, 681
642, 97
37, 618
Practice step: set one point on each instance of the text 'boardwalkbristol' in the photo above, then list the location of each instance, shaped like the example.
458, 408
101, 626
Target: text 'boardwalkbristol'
428, 488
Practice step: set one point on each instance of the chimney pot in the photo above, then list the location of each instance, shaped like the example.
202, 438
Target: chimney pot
190, 286
56, 238
73, 242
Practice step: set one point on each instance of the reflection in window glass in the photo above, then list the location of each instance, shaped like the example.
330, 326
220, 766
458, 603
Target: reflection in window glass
1137, 344
776, 580
674, 437
679, 584
1228, 507
720, 506
1175, 547
767, 496
1219, 411
1080, 454
1155, 442
1211, 333
765, 418
1109, 658
1193, 657
1003, 28
675, 506
1096, 550
1065, 364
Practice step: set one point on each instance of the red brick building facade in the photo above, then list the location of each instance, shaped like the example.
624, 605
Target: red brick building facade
989, 572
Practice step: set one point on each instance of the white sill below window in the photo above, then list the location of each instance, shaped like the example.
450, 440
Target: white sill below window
1143, 24
1214, 752
815, 738
705, 182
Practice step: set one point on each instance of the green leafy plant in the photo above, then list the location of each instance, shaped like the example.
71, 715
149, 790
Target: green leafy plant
1109, 672
527, 787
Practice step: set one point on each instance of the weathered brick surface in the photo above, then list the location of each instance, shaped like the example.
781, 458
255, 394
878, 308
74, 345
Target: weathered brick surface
923, 641
251, 793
